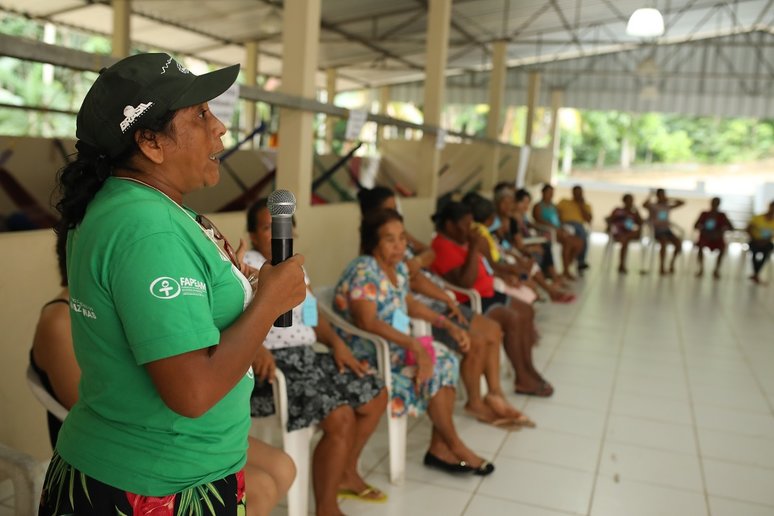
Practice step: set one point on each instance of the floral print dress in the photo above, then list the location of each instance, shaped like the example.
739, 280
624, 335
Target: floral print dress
363, 279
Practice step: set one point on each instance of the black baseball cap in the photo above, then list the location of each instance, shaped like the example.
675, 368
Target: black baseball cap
137, 92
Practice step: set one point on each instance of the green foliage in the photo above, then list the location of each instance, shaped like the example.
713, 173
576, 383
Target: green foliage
667, 138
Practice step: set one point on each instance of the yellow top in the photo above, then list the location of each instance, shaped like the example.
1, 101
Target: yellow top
761, 227
569, 211
493, 249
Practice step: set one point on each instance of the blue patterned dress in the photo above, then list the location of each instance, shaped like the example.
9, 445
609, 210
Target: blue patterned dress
363, 279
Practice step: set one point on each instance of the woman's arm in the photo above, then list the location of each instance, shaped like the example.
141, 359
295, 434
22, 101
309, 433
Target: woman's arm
417, 310
418, 246
365, 317
341, 353
537, 215
192, 383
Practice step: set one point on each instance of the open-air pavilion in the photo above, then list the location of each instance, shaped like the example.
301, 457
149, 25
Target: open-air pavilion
693, 437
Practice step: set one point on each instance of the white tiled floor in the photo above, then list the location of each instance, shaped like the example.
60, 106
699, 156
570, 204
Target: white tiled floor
664, 406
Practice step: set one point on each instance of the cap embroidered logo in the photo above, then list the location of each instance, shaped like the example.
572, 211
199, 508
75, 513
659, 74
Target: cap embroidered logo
133, 113
180, 67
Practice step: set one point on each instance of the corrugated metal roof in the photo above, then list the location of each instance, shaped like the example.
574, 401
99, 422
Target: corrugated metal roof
372, 42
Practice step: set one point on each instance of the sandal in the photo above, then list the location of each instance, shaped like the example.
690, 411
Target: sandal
504, 423
544, 391
369, 494
513, 416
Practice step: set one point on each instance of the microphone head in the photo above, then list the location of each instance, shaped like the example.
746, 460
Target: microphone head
281, 203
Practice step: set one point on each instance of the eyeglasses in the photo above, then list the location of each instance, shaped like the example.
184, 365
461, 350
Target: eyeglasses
215, 233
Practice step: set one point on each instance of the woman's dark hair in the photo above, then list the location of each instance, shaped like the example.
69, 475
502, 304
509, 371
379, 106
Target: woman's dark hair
373, 198
452, 211
252, 212
61, 258
369, 228
482, 208
80, 180
521, 194
546, 187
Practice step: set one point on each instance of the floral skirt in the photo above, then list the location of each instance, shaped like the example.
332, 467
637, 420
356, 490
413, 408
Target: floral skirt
67, 491
405, 398
315, 387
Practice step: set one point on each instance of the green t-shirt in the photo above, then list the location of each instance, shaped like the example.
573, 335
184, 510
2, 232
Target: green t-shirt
146, 283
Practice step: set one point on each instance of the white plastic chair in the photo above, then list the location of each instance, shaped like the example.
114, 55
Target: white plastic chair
45, 399
295, 443
26, 474
472, 294
397, 427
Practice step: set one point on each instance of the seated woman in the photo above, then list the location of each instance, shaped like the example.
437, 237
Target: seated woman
761, 231
625, 225
545, 212
660, 211
483, 355
712, 226
52, 356
519, 228
516, 270
373, 294
332, 389
458, 259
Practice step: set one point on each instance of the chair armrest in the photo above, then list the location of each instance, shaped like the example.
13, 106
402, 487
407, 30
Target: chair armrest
534, 240
475, 297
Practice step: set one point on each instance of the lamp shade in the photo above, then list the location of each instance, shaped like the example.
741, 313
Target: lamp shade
645, 23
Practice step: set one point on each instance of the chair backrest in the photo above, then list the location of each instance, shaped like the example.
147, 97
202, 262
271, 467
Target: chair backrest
45, 399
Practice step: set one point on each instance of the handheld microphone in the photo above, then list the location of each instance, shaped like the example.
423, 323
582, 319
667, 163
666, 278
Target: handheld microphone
282, 206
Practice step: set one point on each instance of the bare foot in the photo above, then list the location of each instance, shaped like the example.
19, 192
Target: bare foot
700, 273
622, 270
481, 411
716, 274
353, 483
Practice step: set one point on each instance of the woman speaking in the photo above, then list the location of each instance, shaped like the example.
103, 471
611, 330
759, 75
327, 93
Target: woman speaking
165, 325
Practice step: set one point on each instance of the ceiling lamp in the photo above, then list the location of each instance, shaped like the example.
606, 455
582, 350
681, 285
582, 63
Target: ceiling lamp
645, 23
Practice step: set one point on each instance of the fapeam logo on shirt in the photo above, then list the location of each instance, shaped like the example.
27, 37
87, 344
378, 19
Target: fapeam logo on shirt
166, 287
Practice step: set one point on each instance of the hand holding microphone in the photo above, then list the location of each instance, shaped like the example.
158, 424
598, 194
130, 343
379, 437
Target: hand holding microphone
282, 206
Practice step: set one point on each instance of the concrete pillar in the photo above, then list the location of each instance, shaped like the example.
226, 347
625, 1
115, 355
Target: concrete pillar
300, 42
122, 10
251, 79
330, 84
496, 94
557, 97
533, 92
384, 99
438, 18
